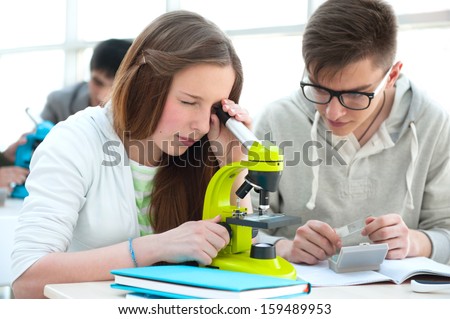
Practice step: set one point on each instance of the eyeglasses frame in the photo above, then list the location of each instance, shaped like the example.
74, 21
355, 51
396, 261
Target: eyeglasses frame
338, 94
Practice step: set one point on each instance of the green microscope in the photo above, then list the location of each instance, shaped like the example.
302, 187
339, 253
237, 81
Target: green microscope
264, 166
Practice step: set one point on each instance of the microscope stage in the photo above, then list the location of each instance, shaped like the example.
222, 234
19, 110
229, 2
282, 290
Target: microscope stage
264, 221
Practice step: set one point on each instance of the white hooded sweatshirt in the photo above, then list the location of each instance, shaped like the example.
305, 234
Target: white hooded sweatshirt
81, 193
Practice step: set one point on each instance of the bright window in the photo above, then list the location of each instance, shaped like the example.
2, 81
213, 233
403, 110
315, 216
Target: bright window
28, 23
249, 14
409, 7
26, 80
41, 50
272, 68
102, 19
425, 55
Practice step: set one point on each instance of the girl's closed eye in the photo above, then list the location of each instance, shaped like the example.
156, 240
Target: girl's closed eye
188, 102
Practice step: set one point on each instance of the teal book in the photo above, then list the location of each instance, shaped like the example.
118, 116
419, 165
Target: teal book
181, 281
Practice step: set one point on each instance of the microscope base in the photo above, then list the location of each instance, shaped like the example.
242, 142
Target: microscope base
276, 267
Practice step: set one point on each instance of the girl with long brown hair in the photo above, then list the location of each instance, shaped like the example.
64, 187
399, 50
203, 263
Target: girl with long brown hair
123, 185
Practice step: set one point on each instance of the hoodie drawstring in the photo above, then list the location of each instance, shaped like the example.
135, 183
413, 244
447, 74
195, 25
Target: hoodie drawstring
315, 168
409, 201
414, 150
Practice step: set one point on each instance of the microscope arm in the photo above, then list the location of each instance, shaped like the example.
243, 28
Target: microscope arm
217, 202
263, 166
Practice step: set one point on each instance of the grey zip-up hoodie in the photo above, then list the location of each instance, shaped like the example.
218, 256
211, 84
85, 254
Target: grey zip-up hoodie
403, 169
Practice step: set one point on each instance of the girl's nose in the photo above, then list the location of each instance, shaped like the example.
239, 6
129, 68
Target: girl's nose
201, 122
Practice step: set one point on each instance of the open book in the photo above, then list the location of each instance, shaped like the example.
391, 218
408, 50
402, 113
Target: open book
396, 271
181, 281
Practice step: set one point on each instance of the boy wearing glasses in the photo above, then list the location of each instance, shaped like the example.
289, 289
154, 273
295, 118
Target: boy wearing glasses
360, 142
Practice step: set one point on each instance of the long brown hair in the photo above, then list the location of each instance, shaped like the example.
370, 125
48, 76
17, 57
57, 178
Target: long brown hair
341, 32
172, 42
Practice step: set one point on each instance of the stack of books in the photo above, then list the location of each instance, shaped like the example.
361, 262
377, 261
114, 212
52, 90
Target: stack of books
181, 281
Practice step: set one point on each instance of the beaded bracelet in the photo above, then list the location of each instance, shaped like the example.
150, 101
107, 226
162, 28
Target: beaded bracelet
130, 247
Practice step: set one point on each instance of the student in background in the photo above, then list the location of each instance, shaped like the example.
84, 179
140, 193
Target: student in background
11, 175
124, 185
104, 63
361, 142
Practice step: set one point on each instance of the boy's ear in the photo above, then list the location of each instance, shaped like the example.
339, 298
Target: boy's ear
395, 73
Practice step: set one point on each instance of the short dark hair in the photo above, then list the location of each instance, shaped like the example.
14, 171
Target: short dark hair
108, 55
341, 32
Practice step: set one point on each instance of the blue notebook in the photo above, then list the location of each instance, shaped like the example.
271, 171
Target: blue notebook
181, 281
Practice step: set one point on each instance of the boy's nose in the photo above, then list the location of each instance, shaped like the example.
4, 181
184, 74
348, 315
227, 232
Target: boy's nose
335, 109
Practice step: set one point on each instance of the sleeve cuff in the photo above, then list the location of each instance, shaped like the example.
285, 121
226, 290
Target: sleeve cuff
440, 245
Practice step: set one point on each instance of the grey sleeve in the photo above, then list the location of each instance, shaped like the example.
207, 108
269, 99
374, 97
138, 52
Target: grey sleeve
435, 211
50, 111
48, 114
440, 240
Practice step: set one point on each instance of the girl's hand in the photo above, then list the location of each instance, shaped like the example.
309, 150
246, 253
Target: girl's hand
198, 241
224, 144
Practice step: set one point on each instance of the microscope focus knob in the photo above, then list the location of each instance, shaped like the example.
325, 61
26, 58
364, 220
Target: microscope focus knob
263, 251
228, 228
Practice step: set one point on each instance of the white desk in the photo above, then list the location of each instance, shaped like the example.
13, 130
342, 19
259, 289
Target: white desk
102, 290
8, 222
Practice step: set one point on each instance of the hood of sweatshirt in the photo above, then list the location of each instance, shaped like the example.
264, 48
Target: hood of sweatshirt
406, 109
105, 121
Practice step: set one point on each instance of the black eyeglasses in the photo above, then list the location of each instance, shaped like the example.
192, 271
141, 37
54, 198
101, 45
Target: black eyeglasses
352, 100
